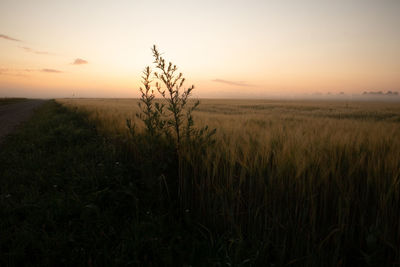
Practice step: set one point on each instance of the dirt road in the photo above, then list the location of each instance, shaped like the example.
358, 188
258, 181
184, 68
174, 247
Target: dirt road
13, 114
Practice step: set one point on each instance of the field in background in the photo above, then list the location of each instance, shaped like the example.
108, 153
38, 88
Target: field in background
234, 115
320, 179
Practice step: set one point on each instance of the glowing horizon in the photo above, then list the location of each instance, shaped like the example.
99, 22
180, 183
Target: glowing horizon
225, 48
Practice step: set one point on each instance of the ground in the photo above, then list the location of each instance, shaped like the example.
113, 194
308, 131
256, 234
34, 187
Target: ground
13, 114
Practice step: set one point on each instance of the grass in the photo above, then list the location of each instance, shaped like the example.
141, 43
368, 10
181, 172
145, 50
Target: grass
7, 101
287, 182
71, 197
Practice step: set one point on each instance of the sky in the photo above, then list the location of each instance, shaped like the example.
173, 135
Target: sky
227, 49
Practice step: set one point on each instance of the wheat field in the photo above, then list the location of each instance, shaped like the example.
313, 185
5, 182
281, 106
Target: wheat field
314, 178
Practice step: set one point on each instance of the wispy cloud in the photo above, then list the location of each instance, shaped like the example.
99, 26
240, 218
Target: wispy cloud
239, 83
51, 71
3, 36
79, 61
25, 72
30, 50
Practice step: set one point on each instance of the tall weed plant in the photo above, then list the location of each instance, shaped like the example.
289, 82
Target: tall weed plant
169, 125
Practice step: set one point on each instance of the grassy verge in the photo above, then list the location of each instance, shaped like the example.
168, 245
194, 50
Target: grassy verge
6, 101
68, 197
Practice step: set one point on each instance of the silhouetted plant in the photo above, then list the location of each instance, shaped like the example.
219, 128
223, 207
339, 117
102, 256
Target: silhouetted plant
170, 134
178, 123
170, 85
151, 111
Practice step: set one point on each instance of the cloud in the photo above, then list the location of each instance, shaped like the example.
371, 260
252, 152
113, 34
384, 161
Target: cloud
79, 61
24, 72
28, 49
9, 38
240, 83
51, 71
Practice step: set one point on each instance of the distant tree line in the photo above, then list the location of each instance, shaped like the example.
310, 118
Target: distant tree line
388, 93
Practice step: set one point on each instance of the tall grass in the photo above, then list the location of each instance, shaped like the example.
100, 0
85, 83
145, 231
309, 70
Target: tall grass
289, 182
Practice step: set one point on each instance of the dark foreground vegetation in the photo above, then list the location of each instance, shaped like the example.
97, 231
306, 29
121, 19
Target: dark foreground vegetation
70, 198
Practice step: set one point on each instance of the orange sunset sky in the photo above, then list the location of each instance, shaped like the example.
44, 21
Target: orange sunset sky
55, 48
